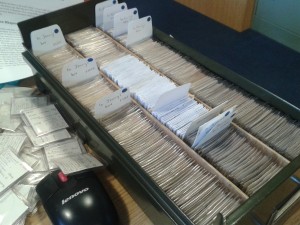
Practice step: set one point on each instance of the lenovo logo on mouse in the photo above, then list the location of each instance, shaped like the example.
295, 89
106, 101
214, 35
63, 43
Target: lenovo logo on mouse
74, 195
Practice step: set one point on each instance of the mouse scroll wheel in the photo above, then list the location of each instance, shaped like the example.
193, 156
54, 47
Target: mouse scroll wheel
62, 177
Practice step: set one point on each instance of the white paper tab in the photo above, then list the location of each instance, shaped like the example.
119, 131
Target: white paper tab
44, 120
112, 103
139, 30
11, 208
108, 15
213, 127
11, 169
172, 96
63, 149
77, 163
47, 138
122, 19
19, 104
79, 71
47, 39
99, 8
194, 126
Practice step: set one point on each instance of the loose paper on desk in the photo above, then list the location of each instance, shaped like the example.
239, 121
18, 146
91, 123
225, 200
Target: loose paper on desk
12, 65
77, 163
11, 169
19, 104
12, 141
11, 208
63, 149
44, 120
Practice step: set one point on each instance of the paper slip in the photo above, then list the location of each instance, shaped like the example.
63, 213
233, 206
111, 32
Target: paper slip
47, 138
193, 128
213, 127
112, 102
5, 98
77, 163
11, 208
44, 120
4, 113
63, 149
19, 104
17, 91
12, 141
11, 169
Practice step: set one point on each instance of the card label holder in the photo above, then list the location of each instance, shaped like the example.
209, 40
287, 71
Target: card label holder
99, 8
139, 30
79, 71
112, 102
122, 19
109, 13
47, 39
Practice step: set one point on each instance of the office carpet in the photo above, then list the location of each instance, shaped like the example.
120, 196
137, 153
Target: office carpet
256, 57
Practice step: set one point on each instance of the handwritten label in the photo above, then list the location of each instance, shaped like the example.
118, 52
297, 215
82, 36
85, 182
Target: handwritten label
122, 19
139, 30
203, 119
109, 13
172, 96
79, 71
99, 8
211, 128
112, 102
47, 39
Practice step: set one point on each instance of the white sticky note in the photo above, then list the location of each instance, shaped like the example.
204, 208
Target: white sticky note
99, 11
112, 103
11, 208
213, 127
47, 138
11, 169
139, 30
108, 15
204, 118
172, 96
19, 104
77, 163
44, 120
122, 19
47, 39
63, 149
79, 71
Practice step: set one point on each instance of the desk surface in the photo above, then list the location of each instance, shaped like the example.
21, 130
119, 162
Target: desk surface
128, 210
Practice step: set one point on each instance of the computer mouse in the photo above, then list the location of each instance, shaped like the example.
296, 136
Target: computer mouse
78, 199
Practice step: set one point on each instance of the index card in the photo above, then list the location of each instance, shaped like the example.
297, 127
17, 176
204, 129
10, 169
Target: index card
99, 11
12, 141
5, 97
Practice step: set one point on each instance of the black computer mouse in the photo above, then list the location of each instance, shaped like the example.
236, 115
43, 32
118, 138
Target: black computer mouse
78, 199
